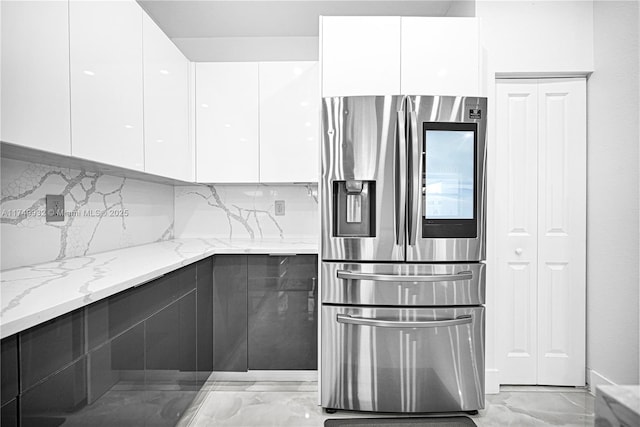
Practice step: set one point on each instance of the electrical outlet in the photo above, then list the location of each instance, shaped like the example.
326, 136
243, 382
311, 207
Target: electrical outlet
279, 207
55, 207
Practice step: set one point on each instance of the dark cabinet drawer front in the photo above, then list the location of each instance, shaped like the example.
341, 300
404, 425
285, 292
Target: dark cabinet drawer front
283, 272
50, 346
230, 313
52, 401
9, 366
116, 314
205, 317
9, 414
282, 330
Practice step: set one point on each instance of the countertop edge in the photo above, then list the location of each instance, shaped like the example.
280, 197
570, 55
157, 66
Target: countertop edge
41, 316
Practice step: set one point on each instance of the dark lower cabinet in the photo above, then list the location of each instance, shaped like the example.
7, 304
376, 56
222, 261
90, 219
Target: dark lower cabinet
54, 400
50, 346
265, 312
129, 360
9, 413
9, 368
283, 312
204, 287
230, 313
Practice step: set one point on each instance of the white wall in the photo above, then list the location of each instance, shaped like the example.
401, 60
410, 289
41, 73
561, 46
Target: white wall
612, 222
241, 49
538, 36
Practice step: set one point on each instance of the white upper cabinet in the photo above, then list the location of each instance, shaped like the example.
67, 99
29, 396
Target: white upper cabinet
360, 55
440, 56
106, 82
289, 121
227, 122
35, 75
167, 149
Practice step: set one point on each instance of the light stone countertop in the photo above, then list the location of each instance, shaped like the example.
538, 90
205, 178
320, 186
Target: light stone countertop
35, 294
618, 405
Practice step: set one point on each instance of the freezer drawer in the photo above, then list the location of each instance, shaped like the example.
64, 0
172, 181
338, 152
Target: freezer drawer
402, 360
403, 284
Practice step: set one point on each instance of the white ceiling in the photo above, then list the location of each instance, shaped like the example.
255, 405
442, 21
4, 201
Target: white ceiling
291, 18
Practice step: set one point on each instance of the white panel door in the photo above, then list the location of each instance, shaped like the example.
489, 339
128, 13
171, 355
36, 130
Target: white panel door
440, 56
561, 231
227, 122
540, 220
516, 229
289, 121
35, 75
106, 82
360, 55
167, 149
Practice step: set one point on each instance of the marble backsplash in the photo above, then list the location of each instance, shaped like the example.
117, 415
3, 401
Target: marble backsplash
246, 211
102, 212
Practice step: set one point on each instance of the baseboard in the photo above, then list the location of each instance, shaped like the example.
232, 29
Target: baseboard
265, 376
491, 381
595, 379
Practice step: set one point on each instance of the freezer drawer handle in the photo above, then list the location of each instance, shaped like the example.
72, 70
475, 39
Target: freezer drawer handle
463, 275
364, 321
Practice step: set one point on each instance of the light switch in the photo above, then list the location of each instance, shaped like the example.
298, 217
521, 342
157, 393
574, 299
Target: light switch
279, 207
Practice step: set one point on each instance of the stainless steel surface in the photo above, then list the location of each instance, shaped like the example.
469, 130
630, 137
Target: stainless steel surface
359, 143
365, 321
402, 322
368, 289
415, 183
400, 183
463, 275
354, 208
439, 369
451, 109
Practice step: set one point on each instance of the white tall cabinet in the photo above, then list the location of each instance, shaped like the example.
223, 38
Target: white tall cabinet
400, 55
107, 82
540, 222
440, 56
289, 121
360, 55
35, 75
227, 149
167, 148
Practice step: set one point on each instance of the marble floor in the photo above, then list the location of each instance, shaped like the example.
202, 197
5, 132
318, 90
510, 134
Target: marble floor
249, 404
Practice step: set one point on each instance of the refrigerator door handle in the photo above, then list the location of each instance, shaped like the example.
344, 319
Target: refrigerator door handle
415, 180
400, 177
350, 275
365, 321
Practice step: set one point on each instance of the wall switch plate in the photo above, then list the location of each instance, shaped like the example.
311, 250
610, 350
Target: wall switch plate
55, 207
279, 207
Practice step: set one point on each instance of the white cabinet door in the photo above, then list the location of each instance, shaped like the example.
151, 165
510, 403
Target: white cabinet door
440, 56
35, 75
541, 230
360, 55
516, 227
562, 162
167, 149
106, 82
227, 122
289, 121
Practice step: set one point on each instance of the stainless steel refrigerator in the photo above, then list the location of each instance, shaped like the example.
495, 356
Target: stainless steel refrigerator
403, 243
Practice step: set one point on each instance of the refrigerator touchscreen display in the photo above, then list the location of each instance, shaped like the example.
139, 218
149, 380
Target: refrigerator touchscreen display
449, 174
